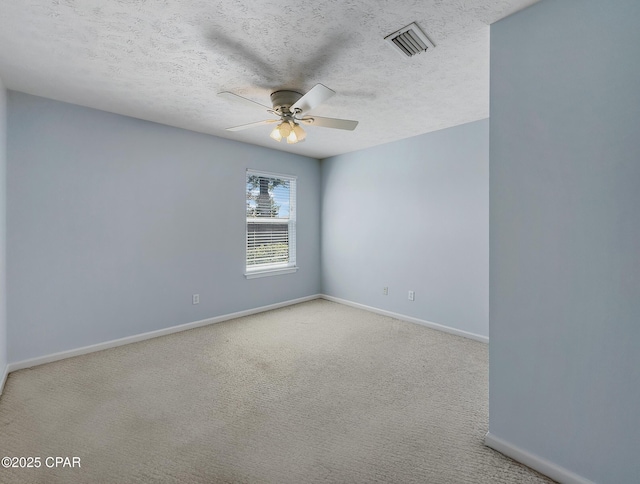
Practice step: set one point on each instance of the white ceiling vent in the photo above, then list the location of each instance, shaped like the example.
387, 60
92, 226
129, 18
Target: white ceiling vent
409, 40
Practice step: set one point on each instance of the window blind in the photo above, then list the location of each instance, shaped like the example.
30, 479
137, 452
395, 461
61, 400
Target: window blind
271, 221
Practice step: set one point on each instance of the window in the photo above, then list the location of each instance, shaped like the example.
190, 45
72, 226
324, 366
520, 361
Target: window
271, 224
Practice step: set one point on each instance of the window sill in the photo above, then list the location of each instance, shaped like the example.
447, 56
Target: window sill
270, 272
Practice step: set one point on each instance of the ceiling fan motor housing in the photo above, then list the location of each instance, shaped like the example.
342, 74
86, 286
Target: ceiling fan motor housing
282, 100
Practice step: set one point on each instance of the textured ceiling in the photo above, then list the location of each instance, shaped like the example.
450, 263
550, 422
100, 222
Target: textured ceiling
165, 61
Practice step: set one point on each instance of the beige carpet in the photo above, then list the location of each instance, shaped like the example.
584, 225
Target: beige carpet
317, 392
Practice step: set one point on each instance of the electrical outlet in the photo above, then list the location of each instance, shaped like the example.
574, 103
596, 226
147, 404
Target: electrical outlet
412, 296
195, 299
385, 291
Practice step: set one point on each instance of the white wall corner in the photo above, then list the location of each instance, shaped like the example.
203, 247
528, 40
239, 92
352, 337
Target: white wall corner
544, 466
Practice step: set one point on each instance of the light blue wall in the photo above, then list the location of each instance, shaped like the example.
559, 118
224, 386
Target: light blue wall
565, 235
114, 222
412, 215
3, 232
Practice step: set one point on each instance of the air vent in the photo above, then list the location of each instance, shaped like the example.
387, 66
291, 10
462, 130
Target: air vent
409, 40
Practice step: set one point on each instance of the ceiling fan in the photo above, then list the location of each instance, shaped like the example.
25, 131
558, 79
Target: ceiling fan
291, 108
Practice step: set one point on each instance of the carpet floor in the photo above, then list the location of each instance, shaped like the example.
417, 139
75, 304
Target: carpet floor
318, 392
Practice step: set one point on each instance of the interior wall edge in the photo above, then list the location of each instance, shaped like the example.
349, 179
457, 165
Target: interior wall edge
3, 378
544, 466
409, 319
4, 346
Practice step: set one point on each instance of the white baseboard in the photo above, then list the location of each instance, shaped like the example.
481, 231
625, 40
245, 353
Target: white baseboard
40, 360
548, 468
410, 319
3, 378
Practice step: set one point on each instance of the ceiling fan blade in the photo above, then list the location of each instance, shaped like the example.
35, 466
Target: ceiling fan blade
234, 97
329, 122
316, 96
252, 125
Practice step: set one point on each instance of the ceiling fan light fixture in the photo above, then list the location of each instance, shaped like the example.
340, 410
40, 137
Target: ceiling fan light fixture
275, 134
300, 133
284, 128
293, 132
281, 131
296, 135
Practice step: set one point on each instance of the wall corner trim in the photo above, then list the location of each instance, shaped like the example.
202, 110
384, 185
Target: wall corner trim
544, 466
409, 319
3, 378
41, 360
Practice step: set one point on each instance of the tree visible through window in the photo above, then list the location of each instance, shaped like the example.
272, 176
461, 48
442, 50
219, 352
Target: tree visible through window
271, 221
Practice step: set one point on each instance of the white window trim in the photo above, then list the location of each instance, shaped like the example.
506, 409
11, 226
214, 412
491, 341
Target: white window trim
274, 269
